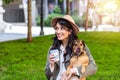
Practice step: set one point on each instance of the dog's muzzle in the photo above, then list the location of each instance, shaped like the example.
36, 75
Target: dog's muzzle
78, 51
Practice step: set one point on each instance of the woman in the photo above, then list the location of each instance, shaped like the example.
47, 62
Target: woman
65, 33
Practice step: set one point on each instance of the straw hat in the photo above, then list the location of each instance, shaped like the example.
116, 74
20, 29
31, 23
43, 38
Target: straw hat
69, 19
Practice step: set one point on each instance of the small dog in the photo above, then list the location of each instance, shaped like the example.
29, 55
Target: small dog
79, 58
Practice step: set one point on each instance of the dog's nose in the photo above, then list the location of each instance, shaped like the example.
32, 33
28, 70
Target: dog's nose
78, 50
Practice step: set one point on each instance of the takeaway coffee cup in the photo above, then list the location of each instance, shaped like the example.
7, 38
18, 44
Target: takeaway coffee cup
56, 54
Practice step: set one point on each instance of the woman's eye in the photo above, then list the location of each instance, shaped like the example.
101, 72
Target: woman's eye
56, 28
62, 28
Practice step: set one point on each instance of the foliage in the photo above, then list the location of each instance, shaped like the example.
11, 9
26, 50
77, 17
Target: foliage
38, 20
47, 22
57, 10
90, 23
26, 61
7, 1
81, 21
76, 12
77, 20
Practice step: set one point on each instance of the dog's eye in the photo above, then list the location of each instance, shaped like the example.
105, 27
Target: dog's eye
81, 44
75, 44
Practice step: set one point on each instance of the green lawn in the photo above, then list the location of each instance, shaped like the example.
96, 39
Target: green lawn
26, 61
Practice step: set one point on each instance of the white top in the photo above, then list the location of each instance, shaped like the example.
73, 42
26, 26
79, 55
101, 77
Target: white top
62, 67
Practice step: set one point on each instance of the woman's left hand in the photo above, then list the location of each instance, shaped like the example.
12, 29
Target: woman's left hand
72, 72
64, 76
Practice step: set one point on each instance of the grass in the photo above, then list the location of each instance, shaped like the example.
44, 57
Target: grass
26, 61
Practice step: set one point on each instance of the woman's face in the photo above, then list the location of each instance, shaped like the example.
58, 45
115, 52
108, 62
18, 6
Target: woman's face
62, 32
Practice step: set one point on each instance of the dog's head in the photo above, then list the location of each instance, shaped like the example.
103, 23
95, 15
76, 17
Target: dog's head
78, 47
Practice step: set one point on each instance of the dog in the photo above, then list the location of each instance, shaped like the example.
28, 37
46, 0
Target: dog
79, 58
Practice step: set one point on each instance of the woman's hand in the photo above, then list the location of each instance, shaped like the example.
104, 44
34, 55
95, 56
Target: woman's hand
64, 76
73, 71
52, 60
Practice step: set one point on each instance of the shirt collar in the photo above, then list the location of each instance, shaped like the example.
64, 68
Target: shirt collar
62, 48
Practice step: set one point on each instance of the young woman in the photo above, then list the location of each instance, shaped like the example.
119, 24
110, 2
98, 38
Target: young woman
65, 33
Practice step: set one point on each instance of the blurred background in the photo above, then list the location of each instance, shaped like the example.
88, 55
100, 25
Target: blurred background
100, 12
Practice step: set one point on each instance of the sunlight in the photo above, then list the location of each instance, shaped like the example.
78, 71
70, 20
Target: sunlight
106, 7
110, 6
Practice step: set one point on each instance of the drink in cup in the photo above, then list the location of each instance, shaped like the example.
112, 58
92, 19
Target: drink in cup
56, 54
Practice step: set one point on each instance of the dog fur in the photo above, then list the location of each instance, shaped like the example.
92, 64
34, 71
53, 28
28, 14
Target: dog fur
79, 58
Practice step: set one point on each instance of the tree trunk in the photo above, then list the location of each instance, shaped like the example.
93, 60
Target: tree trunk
86, 25
29, 36
68, 7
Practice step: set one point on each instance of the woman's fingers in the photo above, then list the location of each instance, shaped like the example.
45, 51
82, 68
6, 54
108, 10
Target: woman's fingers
63, 76
51, 58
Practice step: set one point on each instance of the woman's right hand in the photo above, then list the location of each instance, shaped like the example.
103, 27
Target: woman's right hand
52, 60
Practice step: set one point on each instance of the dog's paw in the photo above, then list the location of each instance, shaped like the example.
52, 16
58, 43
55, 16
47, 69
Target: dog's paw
67, 72
83, 70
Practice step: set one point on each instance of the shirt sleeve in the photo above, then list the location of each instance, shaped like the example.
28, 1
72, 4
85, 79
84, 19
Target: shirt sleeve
51, 69
48, 71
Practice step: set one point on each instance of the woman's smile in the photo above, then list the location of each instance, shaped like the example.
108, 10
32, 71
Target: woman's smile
60, 35
62, 32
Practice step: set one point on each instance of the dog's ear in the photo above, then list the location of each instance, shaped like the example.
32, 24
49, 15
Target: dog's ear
83, 42
74, 42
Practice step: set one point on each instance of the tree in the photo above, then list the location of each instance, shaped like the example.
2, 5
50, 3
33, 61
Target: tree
68, 7
89, 5
29, 34
86, 25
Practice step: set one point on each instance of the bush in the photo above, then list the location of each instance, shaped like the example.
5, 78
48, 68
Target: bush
57, 10
81, 21
77, 20
47, 22
90, 23
38, 20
